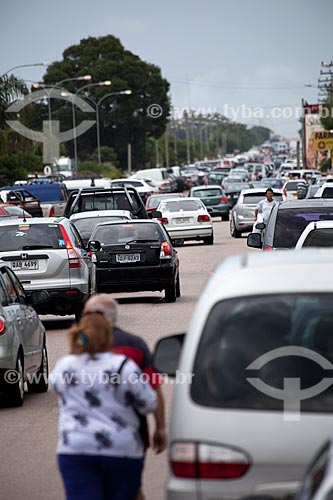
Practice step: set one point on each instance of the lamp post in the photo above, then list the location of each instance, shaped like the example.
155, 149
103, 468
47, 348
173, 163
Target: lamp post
25, 66
106, 83
122, 92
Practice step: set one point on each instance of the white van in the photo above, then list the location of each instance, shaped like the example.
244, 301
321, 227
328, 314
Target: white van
158, 175
72, 184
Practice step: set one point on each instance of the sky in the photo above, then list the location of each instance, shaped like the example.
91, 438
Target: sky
246, 59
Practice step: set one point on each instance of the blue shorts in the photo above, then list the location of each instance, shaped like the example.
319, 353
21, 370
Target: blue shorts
97, 477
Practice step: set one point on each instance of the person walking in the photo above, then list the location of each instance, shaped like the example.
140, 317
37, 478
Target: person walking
135, 348
101, 393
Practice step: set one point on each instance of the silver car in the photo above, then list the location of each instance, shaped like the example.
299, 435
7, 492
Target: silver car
23, 354
242, 215
48, 254
254, 395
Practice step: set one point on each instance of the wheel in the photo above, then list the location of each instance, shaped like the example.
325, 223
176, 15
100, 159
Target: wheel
233, 231
171, 292
225, 217
209, 240
40, 381
178, 287
13, 392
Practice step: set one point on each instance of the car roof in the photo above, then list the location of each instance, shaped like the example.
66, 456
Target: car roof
260, 190
130, 222
209, 186
33, 220
307, 202
101, 213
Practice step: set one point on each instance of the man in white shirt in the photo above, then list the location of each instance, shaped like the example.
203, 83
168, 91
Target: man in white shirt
264, 207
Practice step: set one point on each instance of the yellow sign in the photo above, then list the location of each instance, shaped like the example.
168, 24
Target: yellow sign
323, 140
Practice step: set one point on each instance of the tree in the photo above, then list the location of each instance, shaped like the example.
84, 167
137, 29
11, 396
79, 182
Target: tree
123, 119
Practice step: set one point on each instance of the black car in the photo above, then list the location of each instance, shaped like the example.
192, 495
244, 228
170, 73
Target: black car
133, 256
116, 198
232, 192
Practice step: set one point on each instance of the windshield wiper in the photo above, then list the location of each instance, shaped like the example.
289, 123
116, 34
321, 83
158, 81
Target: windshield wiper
141, 241
35, 247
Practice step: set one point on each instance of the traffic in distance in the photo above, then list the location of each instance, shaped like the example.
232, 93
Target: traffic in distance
262, 319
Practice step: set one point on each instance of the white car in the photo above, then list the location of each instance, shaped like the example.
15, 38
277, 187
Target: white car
252, 399
144, 187
85, 222
325, 191
187, 219
316, 234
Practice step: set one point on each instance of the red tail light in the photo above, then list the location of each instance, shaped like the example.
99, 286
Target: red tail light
164, 220
268, 247
73, 258
224, 199
285, 193
3, 327
205, 461
166, 251
51, 214
203, 218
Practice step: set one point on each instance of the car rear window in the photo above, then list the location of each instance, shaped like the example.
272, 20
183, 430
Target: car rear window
254, 198
116, 234
291, 222
185, 205
328, 192
239, 331
291, 186
206, 193
105, 201
319, 238
24, 235
87, 225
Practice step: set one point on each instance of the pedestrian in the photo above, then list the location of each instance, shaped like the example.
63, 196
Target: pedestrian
135, 348
100, 453
265, 206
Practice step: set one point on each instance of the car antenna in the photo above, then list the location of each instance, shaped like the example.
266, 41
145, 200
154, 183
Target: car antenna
24, 218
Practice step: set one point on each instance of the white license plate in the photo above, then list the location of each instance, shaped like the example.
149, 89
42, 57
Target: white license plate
182, 220
130, 257
17, 265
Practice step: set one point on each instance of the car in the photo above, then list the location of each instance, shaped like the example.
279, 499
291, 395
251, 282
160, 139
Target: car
242, 214
273, 182
144, 187
186, 219
317, 480
290, 189
14, 195
287, 222
216, 177
47, 253
158, 176
85, 222
133, 256
250, 406
214, 198
7, 210
23, 352
325, 191
316, 234
154, 200
231, 179
232, 191
116, 198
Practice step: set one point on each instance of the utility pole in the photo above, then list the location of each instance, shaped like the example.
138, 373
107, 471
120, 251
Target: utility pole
166, 144
188, 150
129, 158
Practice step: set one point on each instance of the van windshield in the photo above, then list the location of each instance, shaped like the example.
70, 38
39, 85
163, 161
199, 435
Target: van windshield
240, 331
290, 224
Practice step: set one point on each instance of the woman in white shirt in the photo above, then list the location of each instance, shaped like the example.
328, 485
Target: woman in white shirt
100, 451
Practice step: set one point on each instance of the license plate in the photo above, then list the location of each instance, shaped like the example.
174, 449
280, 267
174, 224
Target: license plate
129, 257
182, 220
17, 265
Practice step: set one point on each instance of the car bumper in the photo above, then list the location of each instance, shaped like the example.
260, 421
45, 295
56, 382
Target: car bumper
61, 301
131, 279
218, 210
190, 233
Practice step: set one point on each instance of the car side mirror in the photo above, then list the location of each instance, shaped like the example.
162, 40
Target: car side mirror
94, 246
260, 226
167, 354
156, 214
254, 240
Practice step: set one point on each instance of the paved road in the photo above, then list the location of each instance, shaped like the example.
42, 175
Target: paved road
28, 435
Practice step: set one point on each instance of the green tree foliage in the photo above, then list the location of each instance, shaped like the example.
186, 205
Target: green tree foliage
123, 119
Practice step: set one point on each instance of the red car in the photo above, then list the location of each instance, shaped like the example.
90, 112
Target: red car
13, 211
154, 200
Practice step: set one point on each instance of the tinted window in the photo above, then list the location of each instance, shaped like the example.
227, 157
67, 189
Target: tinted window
327, 193
23, 235
86, 226
290, 224
115, 234
255, 198
206, 193
116, 201
291, 186
239, 331
319, 238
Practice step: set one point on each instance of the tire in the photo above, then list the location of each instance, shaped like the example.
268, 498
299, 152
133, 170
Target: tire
209, 240
171, 293
225, 217
233, 231
13, 394
178, 287
40, 383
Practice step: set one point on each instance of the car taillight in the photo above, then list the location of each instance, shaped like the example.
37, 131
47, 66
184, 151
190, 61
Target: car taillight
164, 220
166, 251
285, 193
73, 258
51, 214
203, 218
3, 327
206, 461
268, 247
224, 199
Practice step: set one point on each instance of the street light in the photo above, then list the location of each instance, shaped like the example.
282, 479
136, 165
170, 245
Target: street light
122, 92
106, 83
26, 66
